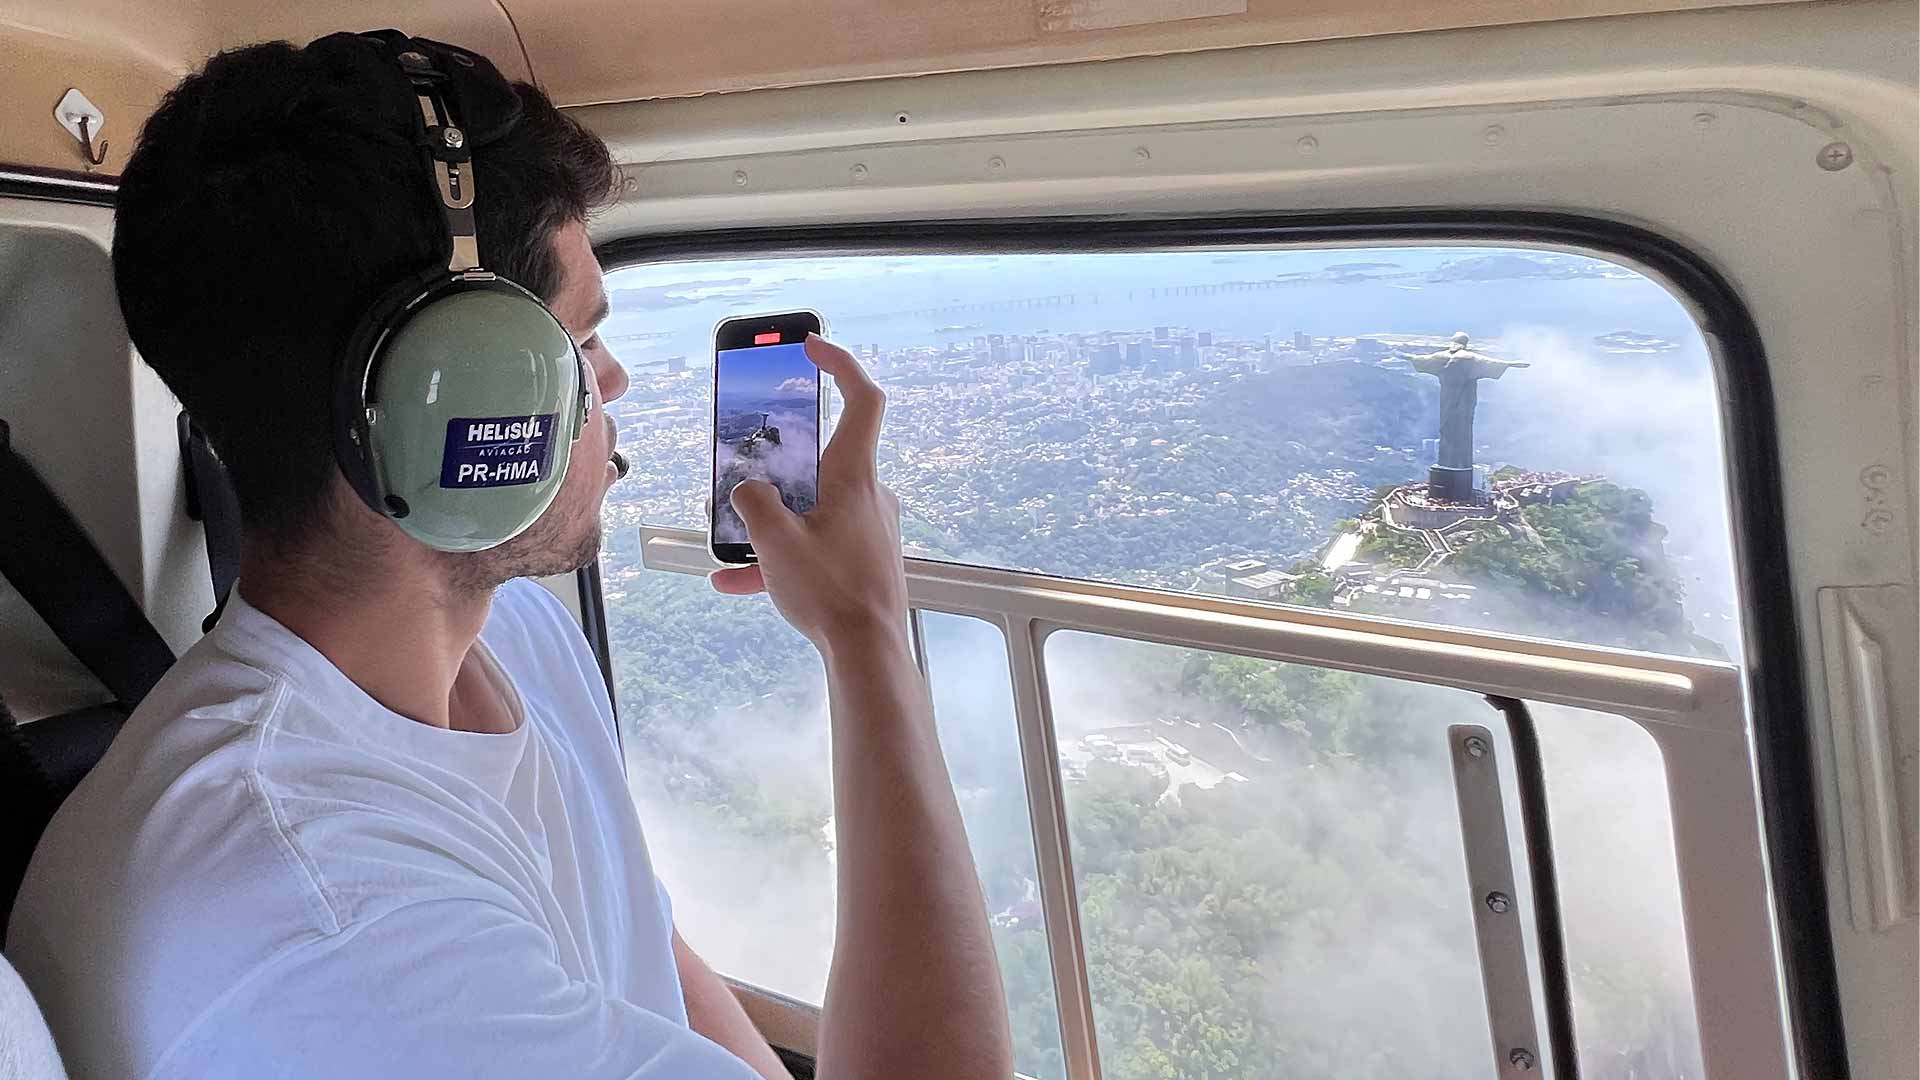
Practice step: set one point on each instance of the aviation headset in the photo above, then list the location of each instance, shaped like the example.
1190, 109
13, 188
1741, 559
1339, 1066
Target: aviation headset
460, 395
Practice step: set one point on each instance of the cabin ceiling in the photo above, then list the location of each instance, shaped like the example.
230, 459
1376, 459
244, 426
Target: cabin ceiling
124, 54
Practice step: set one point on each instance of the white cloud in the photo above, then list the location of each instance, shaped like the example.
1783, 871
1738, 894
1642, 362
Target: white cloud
795, 385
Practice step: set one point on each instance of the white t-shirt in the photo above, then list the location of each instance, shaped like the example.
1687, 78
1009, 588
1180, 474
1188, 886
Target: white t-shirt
272, 875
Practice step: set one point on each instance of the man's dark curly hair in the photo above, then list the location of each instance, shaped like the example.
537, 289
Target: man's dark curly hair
274, 197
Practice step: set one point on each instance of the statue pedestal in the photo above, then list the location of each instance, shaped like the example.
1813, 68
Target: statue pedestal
1448, 484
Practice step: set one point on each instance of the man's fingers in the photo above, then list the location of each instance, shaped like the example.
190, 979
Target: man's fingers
838, 363
758, 504
858, 432
738, 580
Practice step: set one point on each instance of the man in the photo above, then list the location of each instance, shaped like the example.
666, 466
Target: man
375, 824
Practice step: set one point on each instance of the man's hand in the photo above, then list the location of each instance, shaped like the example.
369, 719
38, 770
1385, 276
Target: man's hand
836, 573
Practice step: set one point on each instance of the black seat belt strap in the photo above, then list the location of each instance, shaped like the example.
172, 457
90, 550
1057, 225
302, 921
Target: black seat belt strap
211, 501
47, 557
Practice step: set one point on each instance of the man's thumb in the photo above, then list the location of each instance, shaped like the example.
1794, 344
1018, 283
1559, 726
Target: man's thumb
758, 504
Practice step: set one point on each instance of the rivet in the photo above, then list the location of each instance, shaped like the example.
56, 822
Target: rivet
1476, 746
1835, 156
901, 117
1494, 135
740, 178
630, 184
1499, 903
454, 137
1306, 144
1143, 153
859, 172
996, 164
1703, 121
1521, 1058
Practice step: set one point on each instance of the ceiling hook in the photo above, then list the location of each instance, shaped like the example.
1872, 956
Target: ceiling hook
83, 120
86, 142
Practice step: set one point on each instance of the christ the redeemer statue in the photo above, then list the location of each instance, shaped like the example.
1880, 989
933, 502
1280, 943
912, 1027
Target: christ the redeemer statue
1459, 370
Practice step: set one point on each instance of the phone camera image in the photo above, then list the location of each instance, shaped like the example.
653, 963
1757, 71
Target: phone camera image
766, 427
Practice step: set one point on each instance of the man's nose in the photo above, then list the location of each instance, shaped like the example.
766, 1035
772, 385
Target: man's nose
612, 377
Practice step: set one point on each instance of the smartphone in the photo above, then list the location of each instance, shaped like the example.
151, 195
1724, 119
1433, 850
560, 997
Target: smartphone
766, 420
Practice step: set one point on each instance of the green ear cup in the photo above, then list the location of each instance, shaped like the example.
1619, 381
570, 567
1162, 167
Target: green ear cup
475, 407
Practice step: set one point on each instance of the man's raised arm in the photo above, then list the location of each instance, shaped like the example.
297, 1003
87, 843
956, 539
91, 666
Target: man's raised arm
914, 989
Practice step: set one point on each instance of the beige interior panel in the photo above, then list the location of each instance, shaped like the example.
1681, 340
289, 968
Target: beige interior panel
40, 68
588, 51
124, 55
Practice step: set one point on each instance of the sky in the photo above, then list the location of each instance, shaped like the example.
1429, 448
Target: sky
1335, 291
770, 371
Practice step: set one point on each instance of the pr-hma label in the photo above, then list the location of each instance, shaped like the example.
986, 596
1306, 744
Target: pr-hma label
497, 451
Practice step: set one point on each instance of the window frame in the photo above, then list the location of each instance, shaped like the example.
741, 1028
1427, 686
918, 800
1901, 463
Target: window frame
1772, 683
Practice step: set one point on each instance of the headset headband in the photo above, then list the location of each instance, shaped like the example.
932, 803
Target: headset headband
445, 143
458, 103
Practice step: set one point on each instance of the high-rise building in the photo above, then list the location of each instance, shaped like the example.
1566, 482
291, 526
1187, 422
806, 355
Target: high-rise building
1302, 341
676, 364
1206, 339
1161, 333
1136, 354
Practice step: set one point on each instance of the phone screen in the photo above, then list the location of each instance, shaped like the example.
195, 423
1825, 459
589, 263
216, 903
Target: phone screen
766, 420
